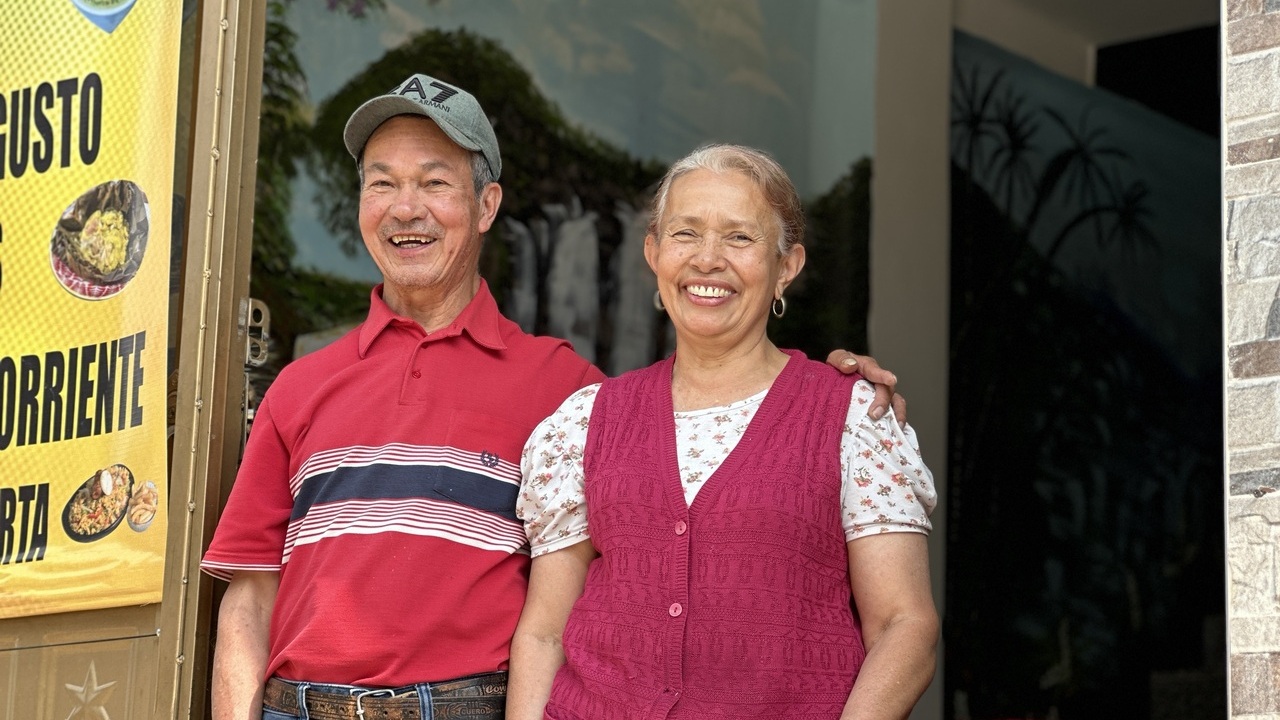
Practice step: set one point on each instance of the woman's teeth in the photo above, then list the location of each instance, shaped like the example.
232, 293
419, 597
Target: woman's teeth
707, 291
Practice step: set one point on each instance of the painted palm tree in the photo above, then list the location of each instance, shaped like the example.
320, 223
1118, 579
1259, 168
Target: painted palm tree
1015, 127
1086, 413
1082, 166
973, 127
1128, 211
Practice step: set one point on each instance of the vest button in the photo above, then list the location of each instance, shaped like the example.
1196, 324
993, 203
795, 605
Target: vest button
675, 609
417, 373
681, 527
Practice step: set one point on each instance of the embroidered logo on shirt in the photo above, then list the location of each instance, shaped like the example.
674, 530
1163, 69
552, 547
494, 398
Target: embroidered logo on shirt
488, 459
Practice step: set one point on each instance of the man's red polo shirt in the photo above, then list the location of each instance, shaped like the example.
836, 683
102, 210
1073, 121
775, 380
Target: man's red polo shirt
380, 480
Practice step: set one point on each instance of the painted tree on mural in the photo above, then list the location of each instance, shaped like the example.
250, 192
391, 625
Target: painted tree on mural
1080, 494
547, 161
558, 180
554, 172
301, 300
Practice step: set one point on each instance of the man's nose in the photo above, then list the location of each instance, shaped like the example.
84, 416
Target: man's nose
408, 205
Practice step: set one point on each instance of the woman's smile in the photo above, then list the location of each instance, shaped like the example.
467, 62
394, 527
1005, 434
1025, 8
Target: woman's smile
707, 291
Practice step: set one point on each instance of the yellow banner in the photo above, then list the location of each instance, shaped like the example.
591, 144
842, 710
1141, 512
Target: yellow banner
88, 95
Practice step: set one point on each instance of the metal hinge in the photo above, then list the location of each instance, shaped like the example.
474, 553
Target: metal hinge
257, 325
256, 322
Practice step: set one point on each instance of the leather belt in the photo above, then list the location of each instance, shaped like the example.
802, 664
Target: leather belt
480, 697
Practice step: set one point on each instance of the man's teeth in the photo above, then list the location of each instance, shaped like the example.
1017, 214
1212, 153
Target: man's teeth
411, 240
707, 291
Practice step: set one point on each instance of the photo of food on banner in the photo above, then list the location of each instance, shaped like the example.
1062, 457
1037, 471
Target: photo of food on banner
100, 239
109, 496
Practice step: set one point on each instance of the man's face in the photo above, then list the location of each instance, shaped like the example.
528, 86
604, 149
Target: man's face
419, 214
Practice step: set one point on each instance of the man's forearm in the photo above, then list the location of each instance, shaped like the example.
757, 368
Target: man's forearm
240, 654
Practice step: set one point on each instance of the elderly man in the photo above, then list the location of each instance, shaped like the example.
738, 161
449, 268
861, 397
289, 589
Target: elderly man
376, 566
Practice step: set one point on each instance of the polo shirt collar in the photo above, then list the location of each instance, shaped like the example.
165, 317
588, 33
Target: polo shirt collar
480, 319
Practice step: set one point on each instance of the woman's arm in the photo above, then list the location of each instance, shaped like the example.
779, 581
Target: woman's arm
556, 581
889, 576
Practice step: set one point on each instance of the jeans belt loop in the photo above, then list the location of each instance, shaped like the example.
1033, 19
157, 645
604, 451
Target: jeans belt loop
425, 702
302, 701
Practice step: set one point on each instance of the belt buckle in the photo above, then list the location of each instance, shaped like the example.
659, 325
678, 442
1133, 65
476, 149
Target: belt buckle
360, 695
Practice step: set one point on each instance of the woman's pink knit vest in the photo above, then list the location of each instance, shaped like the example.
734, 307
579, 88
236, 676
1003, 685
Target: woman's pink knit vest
735, 607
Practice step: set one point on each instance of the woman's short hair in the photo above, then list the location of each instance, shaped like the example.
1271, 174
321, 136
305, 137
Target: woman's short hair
758, 165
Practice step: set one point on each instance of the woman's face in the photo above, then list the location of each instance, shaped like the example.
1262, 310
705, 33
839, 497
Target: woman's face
716, 258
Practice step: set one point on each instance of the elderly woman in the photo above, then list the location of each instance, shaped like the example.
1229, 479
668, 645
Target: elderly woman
725, 533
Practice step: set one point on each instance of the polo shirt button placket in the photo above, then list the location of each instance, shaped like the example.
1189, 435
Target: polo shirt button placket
417, 383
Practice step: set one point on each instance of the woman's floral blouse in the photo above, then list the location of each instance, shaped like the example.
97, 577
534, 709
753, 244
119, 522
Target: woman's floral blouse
886, 486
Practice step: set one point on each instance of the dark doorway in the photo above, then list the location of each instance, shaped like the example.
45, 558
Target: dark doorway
1085, 571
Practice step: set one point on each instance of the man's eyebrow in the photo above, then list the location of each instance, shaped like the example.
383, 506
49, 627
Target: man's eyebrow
427, 166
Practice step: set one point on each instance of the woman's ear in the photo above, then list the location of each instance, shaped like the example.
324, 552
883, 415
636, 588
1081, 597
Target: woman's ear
651, 252
792, 263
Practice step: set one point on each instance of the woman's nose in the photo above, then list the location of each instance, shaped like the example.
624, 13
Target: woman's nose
708, 254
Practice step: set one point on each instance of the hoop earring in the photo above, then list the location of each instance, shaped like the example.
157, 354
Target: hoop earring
779, 301
657, 302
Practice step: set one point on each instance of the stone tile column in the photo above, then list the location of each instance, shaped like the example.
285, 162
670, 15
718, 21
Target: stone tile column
1251, 276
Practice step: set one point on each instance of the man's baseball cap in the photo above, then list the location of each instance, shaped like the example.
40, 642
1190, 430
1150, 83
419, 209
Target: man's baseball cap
455, 110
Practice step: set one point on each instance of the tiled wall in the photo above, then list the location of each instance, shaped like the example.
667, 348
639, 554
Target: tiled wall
1251, 266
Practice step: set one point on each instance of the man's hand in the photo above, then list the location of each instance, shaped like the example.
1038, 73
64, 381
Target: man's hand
885, 382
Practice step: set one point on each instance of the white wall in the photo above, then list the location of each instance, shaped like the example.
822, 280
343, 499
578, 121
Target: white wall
1019, 29
911, 239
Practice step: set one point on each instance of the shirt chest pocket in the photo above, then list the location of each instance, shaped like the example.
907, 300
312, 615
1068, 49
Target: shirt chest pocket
484, 468
494, 440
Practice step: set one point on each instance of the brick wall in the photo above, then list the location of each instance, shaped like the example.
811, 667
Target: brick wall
1251, 266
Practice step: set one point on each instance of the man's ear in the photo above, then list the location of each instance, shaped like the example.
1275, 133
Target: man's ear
490, 199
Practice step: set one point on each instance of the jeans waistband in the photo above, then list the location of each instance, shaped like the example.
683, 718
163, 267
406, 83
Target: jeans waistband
476, 697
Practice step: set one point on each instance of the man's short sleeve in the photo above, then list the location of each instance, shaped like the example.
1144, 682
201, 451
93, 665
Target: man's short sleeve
251, 531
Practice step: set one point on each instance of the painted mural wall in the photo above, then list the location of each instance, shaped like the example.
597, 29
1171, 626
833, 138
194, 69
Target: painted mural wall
590, 100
